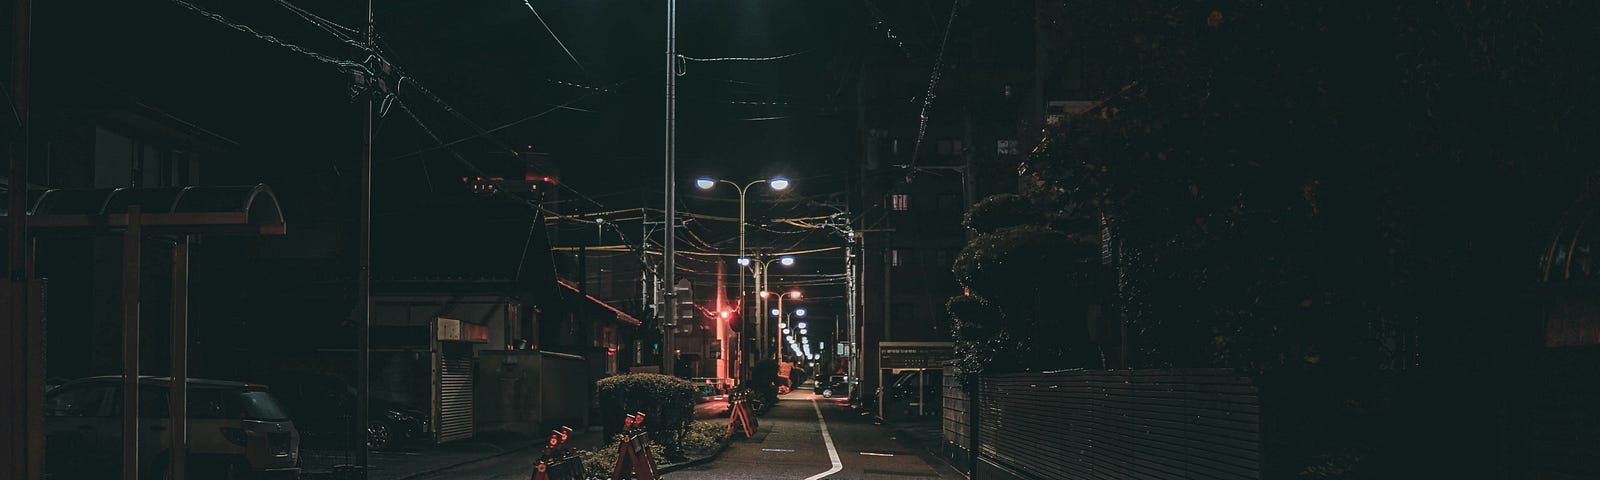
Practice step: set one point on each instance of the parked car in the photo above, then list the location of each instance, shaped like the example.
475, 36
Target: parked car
324, 408
236, 430
834, 385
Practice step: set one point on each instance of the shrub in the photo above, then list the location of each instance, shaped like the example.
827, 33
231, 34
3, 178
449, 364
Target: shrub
703, 436
602, 462
666, 401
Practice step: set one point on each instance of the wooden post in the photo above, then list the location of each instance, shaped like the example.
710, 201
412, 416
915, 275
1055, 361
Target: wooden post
131, 239
177, 398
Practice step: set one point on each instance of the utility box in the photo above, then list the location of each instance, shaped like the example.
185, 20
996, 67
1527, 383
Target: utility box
530, 392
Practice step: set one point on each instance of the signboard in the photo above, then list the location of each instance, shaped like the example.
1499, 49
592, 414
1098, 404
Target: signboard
915, 354
452, 330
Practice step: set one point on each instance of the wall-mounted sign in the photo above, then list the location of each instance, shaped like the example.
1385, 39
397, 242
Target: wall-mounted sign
452, 330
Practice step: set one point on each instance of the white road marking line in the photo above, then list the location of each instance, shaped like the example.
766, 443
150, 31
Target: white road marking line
833, 455
877, 454
776, 450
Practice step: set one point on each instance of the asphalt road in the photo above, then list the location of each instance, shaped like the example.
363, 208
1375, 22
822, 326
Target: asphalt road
791, 444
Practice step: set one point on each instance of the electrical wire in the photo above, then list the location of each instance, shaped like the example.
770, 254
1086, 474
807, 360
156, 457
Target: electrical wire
553, 35
933, 84
340, 32
345, 65
513, 122
743, 59
429, 132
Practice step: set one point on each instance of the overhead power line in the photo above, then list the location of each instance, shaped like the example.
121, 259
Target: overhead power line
933, 83
553, 35
345, 65
743, 59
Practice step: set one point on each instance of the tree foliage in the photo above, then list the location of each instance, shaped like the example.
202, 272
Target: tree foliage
1319, 193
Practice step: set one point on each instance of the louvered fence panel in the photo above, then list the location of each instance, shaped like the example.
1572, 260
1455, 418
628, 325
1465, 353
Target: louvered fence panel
1148, 424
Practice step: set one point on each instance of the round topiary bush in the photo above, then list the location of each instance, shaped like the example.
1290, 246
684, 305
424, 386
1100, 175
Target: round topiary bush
666, 401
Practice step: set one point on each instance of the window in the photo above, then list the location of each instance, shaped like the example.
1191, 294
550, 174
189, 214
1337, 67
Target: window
1005, 147
78, 401
900, 202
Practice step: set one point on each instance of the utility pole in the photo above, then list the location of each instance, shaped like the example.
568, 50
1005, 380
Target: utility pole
21, 404
669, 321
364, 277
850, 298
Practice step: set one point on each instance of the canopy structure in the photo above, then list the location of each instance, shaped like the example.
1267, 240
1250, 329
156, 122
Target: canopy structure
181, 213
216, 210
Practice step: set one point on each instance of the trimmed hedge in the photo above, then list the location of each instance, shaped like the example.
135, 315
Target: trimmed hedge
667, 402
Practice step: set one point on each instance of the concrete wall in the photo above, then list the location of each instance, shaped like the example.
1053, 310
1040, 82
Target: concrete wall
530, 392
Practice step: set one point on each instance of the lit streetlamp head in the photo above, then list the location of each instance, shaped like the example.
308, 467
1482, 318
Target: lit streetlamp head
705, 183
779, 183
794, 294
785, 331
776, 313
801, 324
786, 260
764, 293
744, 261
800, 312
802, 331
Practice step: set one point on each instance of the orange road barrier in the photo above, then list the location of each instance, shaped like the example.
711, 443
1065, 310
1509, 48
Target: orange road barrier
557, 462
739, 414
634, 460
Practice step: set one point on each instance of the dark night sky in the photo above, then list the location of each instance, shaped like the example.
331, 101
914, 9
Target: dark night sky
494, 62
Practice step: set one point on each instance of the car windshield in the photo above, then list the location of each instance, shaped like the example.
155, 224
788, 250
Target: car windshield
259, 405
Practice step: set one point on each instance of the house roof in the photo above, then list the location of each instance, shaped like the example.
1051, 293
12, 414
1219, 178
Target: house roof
621, 317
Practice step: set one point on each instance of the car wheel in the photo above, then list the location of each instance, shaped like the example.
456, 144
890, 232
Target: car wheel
827, 393
379, 436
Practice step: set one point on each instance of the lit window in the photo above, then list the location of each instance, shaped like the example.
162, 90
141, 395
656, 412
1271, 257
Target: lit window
900, 202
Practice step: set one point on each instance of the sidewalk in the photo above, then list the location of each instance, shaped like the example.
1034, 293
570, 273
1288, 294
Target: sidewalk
927, 436
404, 464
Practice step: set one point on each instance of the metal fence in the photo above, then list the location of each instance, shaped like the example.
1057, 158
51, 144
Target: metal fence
957, 423
1152, 424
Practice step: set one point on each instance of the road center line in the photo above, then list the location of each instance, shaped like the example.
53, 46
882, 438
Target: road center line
833, 455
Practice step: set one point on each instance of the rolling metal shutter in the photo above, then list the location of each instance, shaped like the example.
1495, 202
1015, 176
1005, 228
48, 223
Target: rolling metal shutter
453, 403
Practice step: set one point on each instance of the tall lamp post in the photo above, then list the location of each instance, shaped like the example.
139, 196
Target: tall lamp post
778, 312
777, 183
760, 272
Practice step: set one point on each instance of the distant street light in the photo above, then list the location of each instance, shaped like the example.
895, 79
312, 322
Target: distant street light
786, 260
777, 183
776, 312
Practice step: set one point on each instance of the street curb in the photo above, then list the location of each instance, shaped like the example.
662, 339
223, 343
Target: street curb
673, 467
465, 462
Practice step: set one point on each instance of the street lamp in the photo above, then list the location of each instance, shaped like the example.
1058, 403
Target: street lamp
707, 183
